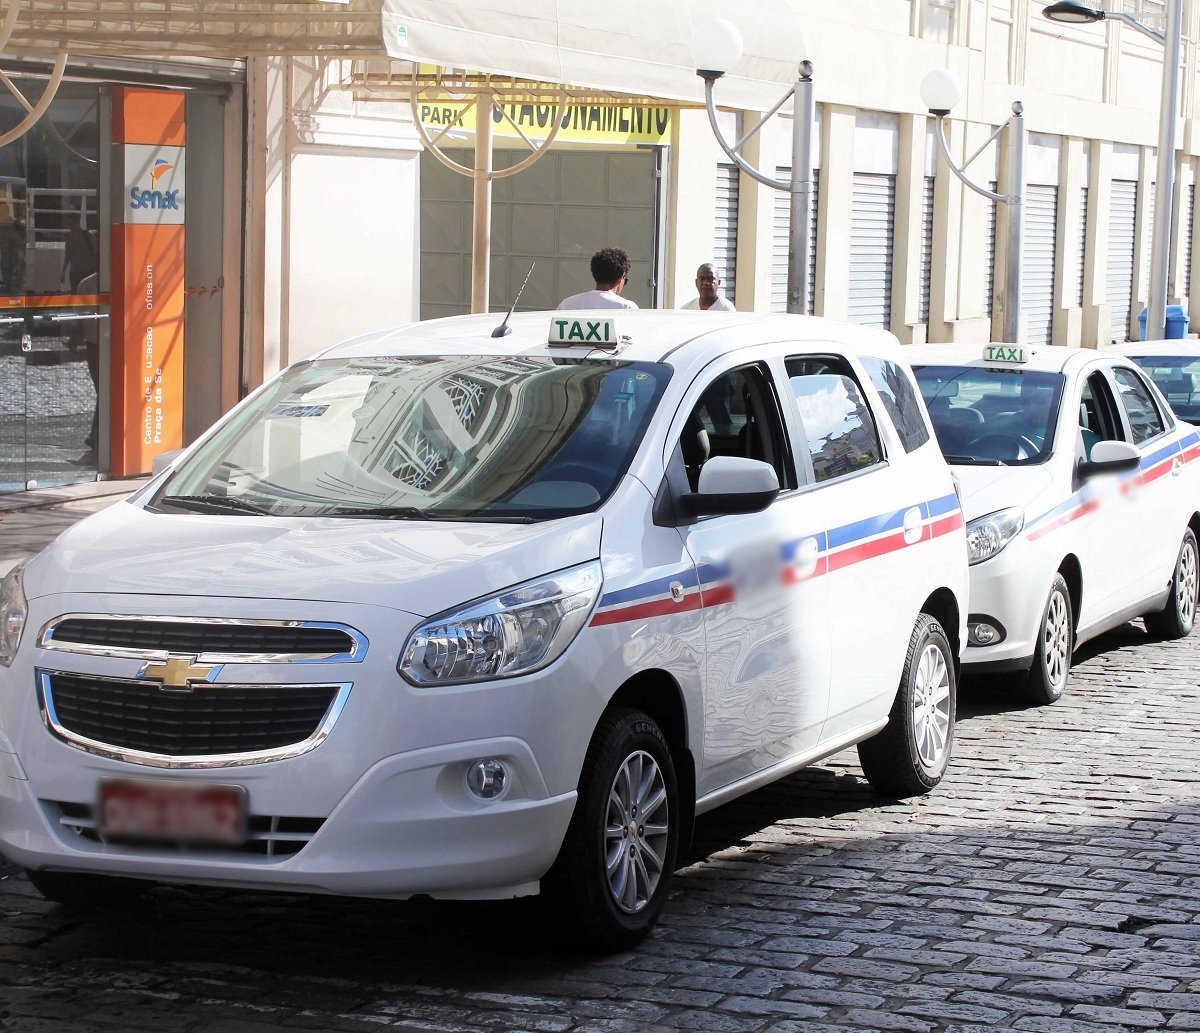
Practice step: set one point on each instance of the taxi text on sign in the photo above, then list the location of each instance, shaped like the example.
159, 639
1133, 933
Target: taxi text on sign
147, 276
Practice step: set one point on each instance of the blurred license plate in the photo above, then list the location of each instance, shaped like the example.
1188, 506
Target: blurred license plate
178, 811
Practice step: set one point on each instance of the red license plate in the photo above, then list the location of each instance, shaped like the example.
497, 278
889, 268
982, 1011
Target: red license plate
176, 811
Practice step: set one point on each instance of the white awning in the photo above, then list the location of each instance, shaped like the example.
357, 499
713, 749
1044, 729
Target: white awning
631, 47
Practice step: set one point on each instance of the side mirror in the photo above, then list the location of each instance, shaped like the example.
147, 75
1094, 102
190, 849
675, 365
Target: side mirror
730, 484
1110, 457
164, 459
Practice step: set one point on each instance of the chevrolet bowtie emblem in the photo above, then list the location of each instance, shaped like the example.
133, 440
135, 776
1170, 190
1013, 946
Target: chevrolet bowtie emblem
178, 671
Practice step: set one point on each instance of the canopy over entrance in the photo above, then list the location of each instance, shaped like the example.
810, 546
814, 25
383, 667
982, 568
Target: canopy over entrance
633, 47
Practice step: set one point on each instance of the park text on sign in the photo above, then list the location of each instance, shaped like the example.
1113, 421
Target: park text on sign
580, 123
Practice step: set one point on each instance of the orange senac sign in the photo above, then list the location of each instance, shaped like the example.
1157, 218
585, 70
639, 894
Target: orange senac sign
147, 277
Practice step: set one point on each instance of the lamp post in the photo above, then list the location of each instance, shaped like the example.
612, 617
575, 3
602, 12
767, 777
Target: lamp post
940, 90
717, 47
1073, 12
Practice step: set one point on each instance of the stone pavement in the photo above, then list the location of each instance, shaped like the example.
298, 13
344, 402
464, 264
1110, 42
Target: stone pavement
1051, 884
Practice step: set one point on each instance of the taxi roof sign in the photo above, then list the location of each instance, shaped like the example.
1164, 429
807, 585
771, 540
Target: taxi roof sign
583, 332
1014, 354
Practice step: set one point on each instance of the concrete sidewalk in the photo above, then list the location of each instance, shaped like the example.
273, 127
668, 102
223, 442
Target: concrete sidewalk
30, 520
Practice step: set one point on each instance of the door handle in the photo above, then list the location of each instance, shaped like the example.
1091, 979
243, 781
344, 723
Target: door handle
914, 528
676, 592
1176, 467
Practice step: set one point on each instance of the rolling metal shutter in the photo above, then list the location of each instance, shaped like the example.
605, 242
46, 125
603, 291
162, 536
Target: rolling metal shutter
725, 228
989, 259
1082, 256
926, 250
1037, 268
1191, 221
1121, 217
779, 242
872, 222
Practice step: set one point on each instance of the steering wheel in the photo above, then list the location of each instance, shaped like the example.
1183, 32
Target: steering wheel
1004, 446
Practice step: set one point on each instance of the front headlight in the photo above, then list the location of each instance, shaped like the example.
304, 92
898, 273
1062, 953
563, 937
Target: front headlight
516, 632
987, 535
13, 611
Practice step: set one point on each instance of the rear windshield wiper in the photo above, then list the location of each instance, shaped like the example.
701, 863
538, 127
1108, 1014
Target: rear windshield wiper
212, 504
416, 513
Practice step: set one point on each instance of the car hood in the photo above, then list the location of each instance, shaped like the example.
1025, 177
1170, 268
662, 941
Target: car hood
422, 568
986, 489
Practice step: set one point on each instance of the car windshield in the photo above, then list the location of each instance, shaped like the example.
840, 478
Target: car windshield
1178, 378
480, 437
995, 416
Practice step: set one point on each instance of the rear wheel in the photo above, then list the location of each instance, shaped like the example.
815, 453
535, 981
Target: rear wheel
614, 869
1178, 617
910, 755
84, 891
1047, 678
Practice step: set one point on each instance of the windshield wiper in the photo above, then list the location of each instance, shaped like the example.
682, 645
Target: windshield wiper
416, 513
974, 461
212, 504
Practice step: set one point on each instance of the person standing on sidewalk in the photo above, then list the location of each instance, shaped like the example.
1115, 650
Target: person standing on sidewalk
708, 283
610, 270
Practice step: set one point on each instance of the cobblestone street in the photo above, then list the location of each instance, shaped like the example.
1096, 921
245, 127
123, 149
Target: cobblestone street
1051, 884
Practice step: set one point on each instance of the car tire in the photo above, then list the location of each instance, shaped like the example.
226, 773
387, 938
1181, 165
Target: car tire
1047, 677
85, 892
614, 869
910, 755
1178, 617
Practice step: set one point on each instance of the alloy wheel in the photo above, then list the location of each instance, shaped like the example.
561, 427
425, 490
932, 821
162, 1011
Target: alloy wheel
931, 707
1185, 581
1056, 639
636, 832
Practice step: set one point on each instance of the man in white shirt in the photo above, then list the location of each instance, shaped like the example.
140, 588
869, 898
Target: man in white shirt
708, 283
610, 270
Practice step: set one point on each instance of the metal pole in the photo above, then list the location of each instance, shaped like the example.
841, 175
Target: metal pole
1160, 255
1016, 220
481, 211
801, 187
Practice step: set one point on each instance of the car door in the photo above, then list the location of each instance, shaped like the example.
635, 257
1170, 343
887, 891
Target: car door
765, 609
1159, 509
878, 512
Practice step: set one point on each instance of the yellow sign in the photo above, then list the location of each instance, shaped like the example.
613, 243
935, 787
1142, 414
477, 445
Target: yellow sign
581, 123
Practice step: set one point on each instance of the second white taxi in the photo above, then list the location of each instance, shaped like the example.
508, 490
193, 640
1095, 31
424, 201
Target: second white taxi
1080, 494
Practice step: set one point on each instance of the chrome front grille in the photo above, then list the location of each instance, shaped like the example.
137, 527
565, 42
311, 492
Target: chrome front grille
268, 835
211, 639
202, 725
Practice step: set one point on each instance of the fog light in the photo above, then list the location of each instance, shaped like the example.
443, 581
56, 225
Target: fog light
982, 634
487, 779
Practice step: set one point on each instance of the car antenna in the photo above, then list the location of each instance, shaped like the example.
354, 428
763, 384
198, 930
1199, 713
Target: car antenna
503, 330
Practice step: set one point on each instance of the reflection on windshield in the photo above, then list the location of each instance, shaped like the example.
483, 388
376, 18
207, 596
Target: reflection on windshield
427, 437
992, 416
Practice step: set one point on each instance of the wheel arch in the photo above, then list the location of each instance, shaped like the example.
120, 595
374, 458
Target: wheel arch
1072, 574
657, 694
943, 607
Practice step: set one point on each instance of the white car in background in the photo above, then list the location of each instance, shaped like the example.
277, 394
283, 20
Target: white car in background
1081, 492
1174, 366
450, 613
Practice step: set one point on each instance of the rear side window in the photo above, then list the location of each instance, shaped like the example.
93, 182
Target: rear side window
838, 425
1144, 418
895, 387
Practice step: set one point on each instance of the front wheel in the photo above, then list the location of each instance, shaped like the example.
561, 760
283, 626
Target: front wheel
1047, 678
613, 871
910, 755
1178, 617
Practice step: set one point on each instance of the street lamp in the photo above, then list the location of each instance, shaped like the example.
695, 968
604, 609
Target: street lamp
716, 48
940, 91
1073, 12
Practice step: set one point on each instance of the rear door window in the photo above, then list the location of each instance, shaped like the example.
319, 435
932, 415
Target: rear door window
838, 424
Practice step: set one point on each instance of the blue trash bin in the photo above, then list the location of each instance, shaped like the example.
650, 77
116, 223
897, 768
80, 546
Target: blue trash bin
1177, 323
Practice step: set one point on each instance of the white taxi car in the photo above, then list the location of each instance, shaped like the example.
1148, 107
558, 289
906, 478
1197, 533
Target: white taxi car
1080, 494
439, 612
